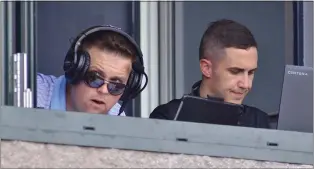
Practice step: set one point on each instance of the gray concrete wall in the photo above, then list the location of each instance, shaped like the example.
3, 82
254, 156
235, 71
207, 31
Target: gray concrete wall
34, 155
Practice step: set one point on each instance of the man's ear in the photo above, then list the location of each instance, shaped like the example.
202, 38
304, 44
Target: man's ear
206, 67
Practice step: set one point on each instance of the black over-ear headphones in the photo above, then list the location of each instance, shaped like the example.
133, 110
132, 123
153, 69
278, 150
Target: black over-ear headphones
77, 62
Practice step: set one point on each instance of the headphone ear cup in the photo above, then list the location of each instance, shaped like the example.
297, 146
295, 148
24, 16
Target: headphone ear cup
84, 65
131, 80
127, 94
137, 82
77, 72
134, 84
68, 65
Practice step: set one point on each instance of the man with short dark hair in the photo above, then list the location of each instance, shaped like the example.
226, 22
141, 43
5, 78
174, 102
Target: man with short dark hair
99, 71
228, 60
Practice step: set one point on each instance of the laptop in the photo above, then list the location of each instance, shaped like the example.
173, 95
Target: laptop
296, 105
208, 110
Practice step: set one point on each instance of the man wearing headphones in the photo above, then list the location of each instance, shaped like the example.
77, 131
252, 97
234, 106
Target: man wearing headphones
228, 60
104, 65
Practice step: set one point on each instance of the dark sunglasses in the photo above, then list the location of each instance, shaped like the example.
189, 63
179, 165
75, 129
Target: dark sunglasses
94, 80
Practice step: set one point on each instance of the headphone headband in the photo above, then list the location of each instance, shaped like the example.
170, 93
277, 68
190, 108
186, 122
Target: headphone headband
94, 29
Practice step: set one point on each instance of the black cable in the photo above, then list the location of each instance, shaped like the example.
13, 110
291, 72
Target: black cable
138, 92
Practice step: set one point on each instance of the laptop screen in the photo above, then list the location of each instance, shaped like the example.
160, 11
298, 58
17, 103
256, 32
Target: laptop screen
201, 110
296, 105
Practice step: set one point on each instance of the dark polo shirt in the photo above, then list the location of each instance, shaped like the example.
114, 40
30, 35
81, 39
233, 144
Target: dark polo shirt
252, 117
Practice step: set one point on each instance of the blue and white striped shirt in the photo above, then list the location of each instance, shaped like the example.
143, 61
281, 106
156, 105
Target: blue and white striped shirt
51, 94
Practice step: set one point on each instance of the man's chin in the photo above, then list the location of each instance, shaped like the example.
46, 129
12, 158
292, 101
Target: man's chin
235, 101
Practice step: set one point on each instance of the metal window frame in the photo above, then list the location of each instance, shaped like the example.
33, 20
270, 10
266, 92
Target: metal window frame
308, 33
27, 43
3, 47
135, 12
158, 43
9, 48
150, 47
298, 33
179, 49
83, 129
166, 49
18, 30
289, 33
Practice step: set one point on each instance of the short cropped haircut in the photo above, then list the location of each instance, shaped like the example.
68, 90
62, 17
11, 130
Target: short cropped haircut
223, 34
110, 41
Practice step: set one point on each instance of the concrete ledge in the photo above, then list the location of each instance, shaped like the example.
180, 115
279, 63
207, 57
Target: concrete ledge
34, 155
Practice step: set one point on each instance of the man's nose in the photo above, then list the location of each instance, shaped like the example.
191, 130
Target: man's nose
245, 82
103, 89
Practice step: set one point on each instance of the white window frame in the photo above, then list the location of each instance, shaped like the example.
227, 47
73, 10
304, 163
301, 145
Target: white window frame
149, 35
167, 51
179, 49
162, 44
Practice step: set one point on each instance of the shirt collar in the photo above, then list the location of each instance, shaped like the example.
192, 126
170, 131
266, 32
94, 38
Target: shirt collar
196, 91
196, 88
